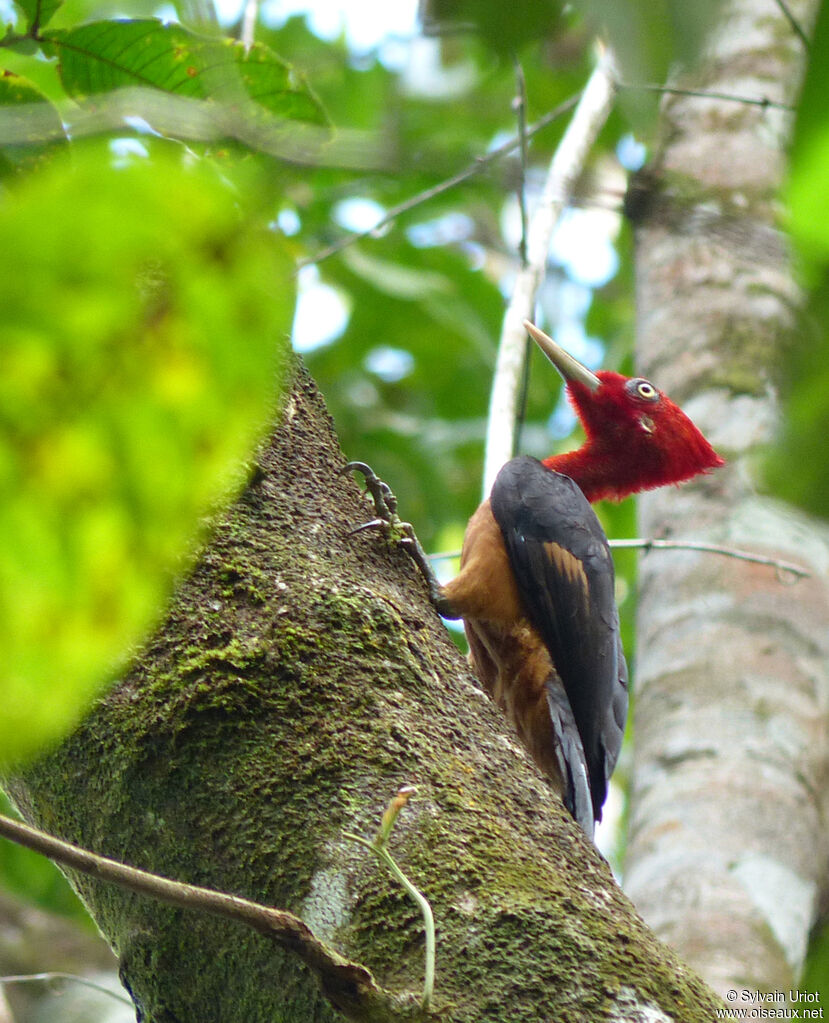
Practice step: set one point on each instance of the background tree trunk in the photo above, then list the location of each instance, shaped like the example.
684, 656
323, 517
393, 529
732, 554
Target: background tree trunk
300, 678
728, 852
33, 941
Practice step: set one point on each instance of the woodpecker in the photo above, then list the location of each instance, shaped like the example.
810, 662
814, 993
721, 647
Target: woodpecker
535, 588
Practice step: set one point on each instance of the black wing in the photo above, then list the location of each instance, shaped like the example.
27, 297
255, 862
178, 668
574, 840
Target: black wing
564, 571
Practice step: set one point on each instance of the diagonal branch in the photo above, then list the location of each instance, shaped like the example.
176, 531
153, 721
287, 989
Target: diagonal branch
349, 986
794, 24
647, 544
188, 118
725, 97
714, 548
414, 201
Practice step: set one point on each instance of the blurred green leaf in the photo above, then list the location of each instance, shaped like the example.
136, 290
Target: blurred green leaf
798, 468
26, 118
38, 12
650, 36
505, 27
142, 321
808, 199
815, 978
106, 55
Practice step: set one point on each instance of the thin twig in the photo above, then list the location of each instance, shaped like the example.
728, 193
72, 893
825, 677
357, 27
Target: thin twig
480, 164
795, 25
703, 94
520, 106
566, 166
682, 545
32, 978
713, 548
349, 986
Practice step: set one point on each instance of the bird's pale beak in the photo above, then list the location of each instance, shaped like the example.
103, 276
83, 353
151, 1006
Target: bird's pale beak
571, 369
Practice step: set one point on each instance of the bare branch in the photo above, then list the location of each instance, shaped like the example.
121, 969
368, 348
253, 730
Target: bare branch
480, 164
52, 975
349, 986
566, 166
726, 97
682, 545
794, 23
520, 107
5, 1009
713, 548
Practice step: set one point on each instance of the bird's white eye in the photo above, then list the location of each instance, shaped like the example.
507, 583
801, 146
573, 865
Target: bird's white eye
642, 389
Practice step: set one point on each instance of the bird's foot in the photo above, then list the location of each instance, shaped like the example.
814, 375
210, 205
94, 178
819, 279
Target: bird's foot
389, 522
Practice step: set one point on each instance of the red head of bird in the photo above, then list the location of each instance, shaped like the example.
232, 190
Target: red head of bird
636, 437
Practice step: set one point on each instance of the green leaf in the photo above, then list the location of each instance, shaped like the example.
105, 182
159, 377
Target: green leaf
30, 127
797, 469
106, 55
38, 12
808, 202
142, 322
505, 27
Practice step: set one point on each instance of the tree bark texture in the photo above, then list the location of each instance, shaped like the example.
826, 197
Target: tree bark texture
300, 677
727, 857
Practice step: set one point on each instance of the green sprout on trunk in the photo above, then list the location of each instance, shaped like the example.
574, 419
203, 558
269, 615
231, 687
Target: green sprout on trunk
379, 846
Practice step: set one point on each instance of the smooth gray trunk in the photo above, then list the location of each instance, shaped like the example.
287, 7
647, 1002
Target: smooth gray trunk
727, 857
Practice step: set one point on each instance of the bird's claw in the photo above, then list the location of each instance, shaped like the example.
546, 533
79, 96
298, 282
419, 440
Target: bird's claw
388, 521
377, 523
385, 503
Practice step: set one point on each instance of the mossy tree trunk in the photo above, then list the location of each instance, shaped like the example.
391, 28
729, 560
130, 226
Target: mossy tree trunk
300, 678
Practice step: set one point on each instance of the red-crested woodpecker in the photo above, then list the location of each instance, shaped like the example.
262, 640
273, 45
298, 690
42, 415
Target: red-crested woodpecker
536, 584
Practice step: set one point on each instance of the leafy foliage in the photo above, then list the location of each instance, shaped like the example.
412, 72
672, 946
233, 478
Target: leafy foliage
129, 400
38, 12
33, 126
505, 28
105, 55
